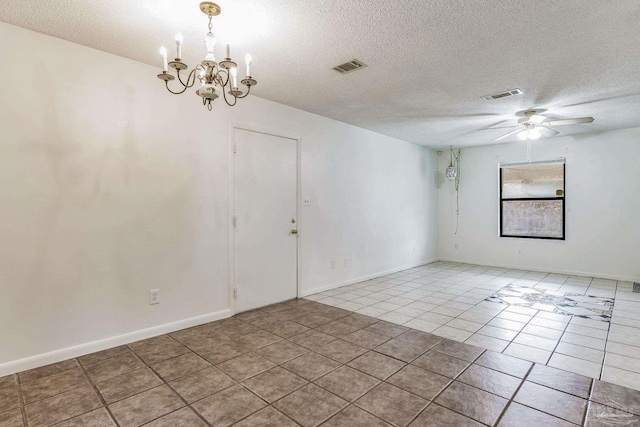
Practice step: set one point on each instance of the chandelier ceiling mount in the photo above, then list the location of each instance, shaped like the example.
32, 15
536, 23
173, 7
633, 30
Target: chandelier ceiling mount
210, 8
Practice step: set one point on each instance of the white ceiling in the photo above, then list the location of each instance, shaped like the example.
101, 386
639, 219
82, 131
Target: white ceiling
429, 61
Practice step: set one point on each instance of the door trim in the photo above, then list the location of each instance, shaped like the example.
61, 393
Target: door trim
232, 200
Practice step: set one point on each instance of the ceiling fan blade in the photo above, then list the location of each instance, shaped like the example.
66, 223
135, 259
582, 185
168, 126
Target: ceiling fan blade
569, 121
547, 131
509, 134
501, 127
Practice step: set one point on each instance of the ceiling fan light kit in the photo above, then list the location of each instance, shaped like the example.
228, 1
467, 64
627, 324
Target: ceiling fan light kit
535, 126
530, 132
210, 73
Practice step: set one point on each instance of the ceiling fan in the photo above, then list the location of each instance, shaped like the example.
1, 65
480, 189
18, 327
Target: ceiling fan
534, 126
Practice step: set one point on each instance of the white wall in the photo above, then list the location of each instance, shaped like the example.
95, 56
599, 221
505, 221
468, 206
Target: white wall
110, 187
602, 207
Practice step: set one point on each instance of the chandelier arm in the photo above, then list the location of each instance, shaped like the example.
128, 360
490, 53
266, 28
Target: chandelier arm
245, 95
192, 76
166, 83
224, 94
227, 75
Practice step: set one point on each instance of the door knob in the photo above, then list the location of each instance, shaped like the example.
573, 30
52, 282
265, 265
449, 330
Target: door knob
294, 231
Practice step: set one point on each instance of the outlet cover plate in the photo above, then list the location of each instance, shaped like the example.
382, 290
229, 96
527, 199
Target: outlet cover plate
154, 296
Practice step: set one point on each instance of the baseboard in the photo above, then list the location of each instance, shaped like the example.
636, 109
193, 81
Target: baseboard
363, 278
36, 361
548, 270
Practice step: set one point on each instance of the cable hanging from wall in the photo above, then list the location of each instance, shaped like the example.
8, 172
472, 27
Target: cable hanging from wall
453, 174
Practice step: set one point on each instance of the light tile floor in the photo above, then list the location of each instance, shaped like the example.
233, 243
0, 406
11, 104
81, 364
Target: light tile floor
448, 299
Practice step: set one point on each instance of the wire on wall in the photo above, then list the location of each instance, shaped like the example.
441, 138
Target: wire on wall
453, 174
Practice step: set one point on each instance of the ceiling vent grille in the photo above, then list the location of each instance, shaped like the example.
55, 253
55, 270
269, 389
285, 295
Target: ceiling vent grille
502, 94
350, 66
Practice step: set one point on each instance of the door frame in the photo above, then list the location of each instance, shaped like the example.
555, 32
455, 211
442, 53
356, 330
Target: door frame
232, 200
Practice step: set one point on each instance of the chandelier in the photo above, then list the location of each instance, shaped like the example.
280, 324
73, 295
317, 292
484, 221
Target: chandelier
209, 73
454, 166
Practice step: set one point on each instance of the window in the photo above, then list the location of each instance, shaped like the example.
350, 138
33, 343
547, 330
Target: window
532, 200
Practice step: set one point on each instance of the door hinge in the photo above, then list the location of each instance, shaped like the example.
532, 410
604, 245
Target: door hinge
235, 293
235, 221
234, 148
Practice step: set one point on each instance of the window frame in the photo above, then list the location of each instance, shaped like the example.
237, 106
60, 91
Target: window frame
561, 198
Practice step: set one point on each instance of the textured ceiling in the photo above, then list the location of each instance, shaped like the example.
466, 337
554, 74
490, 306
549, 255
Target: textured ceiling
429, 61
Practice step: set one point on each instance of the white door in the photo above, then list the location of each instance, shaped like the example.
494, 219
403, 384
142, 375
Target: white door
266, 221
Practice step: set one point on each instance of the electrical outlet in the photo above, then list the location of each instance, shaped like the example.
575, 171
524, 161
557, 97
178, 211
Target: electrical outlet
333, 264
346, 262
306, 202
154, 296
455, 246
520, 250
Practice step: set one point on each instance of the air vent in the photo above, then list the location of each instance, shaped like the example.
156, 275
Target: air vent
350, 66
502, 94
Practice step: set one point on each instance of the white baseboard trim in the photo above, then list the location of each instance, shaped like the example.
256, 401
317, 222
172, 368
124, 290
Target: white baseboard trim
543, 269
38, 360
363, 278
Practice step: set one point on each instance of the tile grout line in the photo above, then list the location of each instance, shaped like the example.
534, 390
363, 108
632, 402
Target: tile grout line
589, 401
487, 324
518, 334
79, 386
382, 381
282, 367
179, 395
433, 400
146, 366
325, 374
558, 342
96, 391
513, 396
606, 342
23, 408
349, 404
170, 387
239, 383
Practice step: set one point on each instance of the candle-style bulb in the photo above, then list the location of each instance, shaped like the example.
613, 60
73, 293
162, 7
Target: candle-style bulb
163, 54
248, 58
179, 40
234, 77
228, 52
